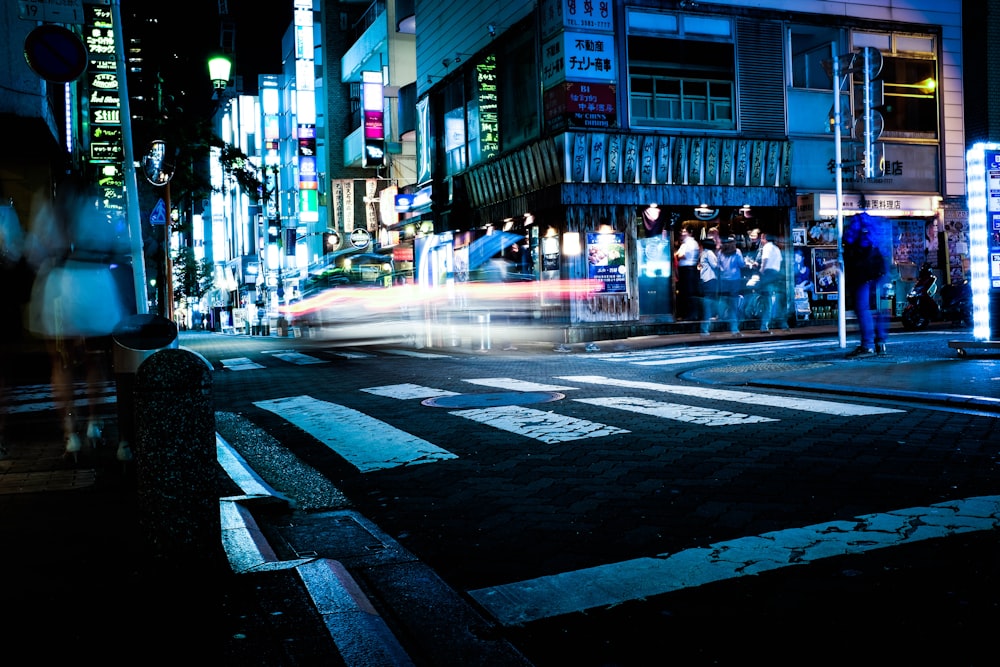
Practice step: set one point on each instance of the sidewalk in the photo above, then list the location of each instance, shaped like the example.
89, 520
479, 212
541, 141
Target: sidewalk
78, 583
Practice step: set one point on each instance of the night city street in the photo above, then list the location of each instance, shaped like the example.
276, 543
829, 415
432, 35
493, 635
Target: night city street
580, 484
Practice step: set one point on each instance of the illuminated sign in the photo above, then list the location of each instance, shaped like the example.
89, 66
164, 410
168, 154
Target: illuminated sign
983, 187
489, 121
372, 102
583, 104
103, 153
577, 56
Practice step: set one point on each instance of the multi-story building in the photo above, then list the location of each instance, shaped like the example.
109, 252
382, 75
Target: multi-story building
333, 150
593, 132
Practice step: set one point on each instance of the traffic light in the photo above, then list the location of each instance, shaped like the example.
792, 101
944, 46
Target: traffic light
273, 234
869, 125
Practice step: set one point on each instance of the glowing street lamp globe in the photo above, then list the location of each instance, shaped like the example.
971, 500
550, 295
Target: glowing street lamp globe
219, 68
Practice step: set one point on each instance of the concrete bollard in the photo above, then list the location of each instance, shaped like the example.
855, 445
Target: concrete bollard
177, 470
135, 339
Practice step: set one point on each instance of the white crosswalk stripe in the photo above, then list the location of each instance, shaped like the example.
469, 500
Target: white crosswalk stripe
367, 443
676, 411
615, 583
547, 427
239, 364
408, 391
299, 359
518, 385
416, 354
39, 397
788, 402
681, 355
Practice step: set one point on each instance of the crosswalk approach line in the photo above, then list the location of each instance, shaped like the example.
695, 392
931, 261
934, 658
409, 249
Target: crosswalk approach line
604, 586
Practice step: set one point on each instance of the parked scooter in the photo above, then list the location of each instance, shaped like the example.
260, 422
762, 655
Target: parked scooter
922, 308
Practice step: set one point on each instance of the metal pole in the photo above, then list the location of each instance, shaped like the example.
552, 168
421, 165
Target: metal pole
841, 289
128, 168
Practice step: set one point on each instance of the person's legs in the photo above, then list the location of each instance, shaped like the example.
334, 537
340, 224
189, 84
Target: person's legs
707, 307
767, 304
862, 295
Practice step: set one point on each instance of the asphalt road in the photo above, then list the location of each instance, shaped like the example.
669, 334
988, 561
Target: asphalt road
584, 475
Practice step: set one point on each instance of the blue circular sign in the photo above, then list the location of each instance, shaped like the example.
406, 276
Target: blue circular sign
55, 53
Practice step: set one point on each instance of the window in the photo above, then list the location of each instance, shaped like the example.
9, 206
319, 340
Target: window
681, 71
811, 53
909, 81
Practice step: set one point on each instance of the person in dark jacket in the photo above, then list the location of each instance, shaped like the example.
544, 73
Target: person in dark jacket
867, 247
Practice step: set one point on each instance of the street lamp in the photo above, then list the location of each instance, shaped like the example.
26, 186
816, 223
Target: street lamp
219, 69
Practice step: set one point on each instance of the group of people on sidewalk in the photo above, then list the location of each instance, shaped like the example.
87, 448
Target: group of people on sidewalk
711, 281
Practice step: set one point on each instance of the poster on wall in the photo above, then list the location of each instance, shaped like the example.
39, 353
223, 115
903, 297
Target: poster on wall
606, 260
825, 270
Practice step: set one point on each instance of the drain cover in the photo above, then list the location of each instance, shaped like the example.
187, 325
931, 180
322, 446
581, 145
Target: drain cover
493, 400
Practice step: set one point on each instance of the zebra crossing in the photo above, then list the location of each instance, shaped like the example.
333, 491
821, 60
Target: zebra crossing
371, 444
39, 397
673, 356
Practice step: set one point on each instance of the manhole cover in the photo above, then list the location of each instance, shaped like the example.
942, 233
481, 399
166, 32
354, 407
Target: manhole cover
493, 400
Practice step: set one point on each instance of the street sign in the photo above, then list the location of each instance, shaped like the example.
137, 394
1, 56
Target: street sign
360, 238
51, 11
55, 53
159, 214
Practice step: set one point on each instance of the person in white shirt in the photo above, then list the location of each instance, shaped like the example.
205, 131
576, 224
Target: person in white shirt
771, 283
687, 276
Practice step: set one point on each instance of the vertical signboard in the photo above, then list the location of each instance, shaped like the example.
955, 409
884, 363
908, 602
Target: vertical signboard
579, 66
373, 154
983, 186
101, 108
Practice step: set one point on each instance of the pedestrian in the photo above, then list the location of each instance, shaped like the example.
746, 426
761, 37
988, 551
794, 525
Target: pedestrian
75, 301
687, 275
866, 247
708, 272
731, 264
771, 283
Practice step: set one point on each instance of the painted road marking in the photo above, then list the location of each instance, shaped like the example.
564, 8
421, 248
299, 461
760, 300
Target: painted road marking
408, 391
418, 355
512, 384
612, 584
353, 355
299, 359
678, 412
39, 398
706, 352
681, 360
754, 398
365, 442
239, 364
547, 427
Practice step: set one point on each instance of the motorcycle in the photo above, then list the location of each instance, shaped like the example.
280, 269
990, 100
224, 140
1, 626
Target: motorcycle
922, 308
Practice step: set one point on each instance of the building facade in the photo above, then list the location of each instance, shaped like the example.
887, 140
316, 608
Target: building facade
592, 133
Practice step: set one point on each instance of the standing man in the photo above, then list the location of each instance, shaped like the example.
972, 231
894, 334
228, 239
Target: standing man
866, 246
771, 283
687, 276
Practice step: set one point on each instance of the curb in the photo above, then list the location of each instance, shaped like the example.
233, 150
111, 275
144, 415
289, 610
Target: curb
361, 635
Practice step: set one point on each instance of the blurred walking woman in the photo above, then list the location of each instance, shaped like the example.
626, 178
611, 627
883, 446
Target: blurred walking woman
75, 303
